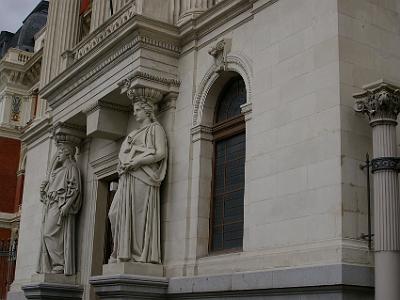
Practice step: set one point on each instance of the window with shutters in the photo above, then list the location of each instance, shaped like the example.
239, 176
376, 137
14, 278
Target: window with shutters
227, 207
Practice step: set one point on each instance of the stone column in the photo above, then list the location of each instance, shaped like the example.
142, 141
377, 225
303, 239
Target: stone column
100, 13
118, 4
381, 102
190, 9
62, 35
69, 29
49, 49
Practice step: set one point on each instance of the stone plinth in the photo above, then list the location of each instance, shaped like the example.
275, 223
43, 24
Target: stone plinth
129, 287
131, 268
130, 281
53, 286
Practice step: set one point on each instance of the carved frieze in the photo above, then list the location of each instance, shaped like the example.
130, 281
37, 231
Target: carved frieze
99, 35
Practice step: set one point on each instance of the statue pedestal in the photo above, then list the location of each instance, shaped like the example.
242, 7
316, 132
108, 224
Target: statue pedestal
133, 268
52, 286
130, 281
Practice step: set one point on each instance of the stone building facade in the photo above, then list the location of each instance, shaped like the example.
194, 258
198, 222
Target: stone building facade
281, 74
20, 63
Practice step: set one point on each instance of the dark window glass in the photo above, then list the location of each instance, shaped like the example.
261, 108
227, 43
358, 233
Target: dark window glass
229, 159
232, 97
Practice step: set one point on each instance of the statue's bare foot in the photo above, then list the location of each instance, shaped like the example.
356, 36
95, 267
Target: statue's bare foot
57, 270
112, 260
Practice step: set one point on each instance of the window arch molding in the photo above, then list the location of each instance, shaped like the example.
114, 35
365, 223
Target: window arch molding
205, 102
212, 82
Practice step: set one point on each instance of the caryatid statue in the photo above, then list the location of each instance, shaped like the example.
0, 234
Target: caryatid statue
61, 194
135, 210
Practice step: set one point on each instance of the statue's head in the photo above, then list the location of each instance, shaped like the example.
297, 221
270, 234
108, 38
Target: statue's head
65, 151
143, 109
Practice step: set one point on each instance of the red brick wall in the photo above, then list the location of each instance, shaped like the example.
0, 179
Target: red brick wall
9, 159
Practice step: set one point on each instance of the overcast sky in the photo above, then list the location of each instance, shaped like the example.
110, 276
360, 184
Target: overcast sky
13, 12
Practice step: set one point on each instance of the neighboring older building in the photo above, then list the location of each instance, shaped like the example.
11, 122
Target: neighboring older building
264, 197
20, 63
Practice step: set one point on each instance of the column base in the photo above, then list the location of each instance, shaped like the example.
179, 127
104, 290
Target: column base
387, 275
53, 286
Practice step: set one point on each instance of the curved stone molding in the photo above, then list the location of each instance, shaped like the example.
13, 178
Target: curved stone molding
233, 63
380, 102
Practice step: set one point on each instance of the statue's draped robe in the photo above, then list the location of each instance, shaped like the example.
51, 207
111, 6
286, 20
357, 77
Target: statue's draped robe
58, 233
135, 211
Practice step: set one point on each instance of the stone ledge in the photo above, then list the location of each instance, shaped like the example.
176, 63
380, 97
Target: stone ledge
317, 276
129, 287
52, 291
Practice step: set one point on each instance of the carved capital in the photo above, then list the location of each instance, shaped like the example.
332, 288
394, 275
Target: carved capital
201, 132
68, 134
380, 102
145, 94
149, 87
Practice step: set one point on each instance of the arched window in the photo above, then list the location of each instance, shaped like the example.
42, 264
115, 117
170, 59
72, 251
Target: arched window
227, 207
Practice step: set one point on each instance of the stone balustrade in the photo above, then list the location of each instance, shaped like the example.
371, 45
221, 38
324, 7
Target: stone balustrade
100, 34
17, 56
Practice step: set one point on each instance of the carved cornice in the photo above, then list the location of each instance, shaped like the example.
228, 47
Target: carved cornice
100, 104
9, 220
78, 75
246, 110
10, 132
149, 77
105, 165
380, 101
90, 42
201, 132
32, 134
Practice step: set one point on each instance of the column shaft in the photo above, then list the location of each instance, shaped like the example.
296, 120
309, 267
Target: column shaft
189, 9
49, 49
100, 13
69, 31
62, 35
118, 4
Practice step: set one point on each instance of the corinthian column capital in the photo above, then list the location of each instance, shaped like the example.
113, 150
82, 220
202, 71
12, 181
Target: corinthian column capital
380, 101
